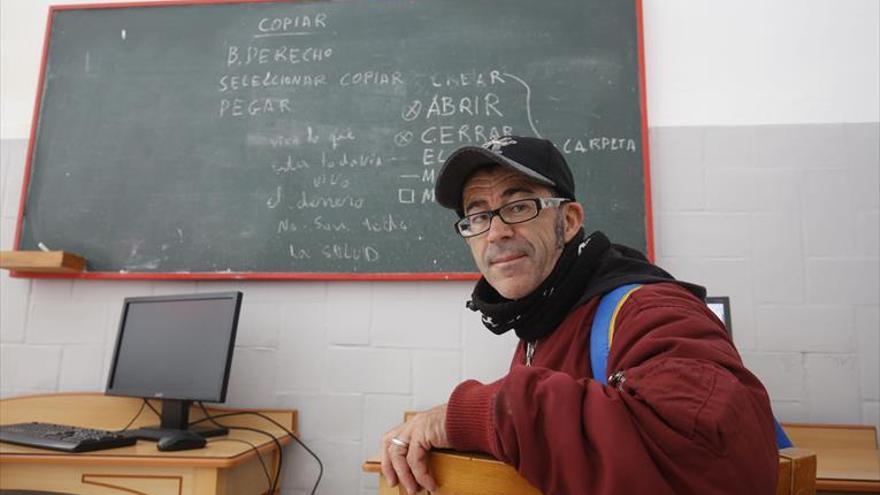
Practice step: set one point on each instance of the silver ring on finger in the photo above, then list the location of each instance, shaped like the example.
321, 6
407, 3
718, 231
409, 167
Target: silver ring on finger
400, 443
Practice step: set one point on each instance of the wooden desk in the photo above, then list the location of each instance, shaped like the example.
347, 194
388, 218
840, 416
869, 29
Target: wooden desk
847, 456
223, 467
459, 473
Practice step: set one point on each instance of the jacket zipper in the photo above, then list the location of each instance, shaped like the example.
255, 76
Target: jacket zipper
530, 351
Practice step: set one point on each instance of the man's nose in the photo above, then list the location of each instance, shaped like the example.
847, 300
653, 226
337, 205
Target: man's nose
498, 229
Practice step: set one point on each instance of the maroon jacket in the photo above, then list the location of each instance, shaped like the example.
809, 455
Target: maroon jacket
689, 418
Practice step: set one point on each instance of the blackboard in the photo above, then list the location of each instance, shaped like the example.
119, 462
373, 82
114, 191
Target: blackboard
302, 139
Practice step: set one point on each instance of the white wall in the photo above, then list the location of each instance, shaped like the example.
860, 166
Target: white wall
783, 218
708, 63
762, 62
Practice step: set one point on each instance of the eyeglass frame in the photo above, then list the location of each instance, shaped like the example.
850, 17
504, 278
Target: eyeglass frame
540, 203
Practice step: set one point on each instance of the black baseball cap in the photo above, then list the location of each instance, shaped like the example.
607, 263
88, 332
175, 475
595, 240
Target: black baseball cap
534, 157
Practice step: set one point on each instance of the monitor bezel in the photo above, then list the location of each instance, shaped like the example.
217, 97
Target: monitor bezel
724, 301
236, 296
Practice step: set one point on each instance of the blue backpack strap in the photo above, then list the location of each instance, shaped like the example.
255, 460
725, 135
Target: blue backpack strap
602, 335
782, 440
602, 331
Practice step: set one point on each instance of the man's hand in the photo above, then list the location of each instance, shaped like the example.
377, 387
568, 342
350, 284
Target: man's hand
405, 449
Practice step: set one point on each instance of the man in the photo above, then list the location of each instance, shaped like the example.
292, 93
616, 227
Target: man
681, 414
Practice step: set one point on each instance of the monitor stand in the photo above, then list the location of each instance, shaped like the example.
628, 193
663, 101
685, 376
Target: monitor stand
175, 417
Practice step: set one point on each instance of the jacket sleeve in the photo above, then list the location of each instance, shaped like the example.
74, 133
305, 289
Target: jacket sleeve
688, 418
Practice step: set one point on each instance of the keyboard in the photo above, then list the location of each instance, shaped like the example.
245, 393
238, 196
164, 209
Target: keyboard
63, 437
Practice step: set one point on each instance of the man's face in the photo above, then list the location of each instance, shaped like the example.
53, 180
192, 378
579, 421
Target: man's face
515, 259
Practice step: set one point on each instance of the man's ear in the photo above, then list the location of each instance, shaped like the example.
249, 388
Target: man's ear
574, 219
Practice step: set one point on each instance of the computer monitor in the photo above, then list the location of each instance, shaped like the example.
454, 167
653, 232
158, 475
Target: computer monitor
178, 349
720, 305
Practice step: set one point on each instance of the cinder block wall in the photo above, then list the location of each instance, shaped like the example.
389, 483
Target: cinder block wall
783, 219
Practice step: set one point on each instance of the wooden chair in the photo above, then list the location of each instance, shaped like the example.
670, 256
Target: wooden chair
797, 472
460, 473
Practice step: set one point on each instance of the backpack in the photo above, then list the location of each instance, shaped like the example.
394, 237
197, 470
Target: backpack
602, 336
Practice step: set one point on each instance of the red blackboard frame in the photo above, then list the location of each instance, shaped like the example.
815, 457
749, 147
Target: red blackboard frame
646, 168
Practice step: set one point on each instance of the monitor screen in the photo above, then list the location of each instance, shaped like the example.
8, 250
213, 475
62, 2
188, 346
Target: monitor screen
175, 347
720, 305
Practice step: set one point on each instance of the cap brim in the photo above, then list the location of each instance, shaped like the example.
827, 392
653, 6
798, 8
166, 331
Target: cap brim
465, 161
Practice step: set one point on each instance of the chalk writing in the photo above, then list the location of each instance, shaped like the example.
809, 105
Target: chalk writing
371, 78
275, 199
339, 137
465, 79
330, 179
307, 201
465, 133
299, 253
269, 79
257, 55
363, 160
603, 143
385, 223
285, 225
346, 251
320, 224
237, 107
308, 136
288, 24
446, 106
290, 165
528, 102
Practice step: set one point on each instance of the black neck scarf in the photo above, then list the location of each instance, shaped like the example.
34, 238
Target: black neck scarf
539, 313
588, 267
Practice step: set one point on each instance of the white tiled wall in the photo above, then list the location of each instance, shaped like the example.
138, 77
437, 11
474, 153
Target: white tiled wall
783, 219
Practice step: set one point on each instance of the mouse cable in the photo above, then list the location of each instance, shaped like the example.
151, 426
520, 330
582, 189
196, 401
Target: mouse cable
136, 416
158, 414
256, 450
273, 485
208, 417
279, 425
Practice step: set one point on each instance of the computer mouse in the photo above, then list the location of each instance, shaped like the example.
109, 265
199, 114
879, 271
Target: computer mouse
182, 440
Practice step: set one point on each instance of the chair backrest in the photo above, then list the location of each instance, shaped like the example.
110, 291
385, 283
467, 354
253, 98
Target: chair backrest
479, 474
474, 474
797, 472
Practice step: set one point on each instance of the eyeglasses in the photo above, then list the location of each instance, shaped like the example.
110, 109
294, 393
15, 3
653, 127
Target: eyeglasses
514, 212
